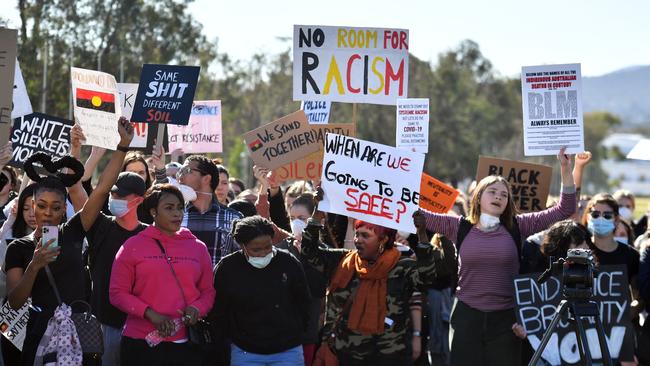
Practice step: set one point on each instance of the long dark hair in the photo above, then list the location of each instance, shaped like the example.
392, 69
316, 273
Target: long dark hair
19, 228
136, 157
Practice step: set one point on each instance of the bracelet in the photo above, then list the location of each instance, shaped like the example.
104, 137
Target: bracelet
123, 149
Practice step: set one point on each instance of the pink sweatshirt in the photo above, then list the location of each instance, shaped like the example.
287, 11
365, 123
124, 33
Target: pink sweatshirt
141, 278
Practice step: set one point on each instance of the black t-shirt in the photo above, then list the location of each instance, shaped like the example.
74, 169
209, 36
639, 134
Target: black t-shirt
105, 238
67, 269
624, 254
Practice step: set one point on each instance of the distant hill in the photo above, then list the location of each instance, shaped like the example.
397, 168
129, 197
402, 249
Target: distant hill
625, 93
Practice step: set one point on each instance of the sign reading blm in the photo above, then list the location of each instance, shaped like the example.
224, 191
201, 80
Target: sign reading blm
38, 132
165, 94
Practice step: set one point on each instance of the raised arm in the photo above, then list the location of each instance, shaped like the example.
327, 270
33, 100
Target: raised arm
582, 160
96, 154
76, 193
109, 176
535, 222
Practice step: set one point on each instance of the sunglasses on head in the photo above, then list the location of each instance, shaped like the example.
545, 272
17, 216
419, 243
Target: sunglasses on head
607, 215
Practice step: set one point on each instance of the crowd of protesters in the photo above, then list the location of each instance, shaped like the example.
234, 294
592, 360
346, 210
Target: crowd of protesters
157, 249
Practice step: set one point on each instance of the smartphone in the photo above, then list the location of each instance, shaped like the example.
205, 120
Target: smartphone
49, 233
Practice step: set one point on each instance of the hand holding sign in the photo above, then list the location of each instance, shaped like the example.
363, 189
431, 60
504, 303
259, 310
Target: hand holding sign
5, 154
158, 157
76, 137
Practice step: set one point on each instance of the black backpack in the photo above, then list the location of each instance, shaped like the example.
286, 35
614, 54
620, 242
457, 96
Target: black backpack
465, 226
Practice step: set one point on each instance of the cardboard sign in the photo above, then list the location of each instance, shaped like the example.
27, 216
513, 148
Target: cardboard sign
38, 132
165, 94
96, 106
435, 196
311, 166
8, 52
537, 303
530, 183
413, 124
552, 101
640, 151
371, 182
282, 141
318, 112
127, 93
351, 65
21, 104
13, 323
203, 133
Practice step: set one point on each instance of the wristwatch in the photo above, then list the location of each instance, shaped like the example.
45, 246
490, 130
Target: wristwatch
416, 333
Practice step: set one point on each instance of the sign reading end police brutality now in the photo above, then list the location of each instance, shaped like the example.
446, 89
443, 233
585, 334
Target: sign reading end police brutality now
552, 103
348, 64
371, 182
537, 303
165, 94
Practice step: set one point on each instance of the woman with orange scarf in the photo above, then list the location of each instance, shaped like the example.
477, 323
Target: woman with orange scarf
367, 319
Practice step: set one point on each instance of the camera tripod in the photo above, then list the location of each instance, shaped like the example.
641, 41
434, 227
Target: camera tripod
577, 311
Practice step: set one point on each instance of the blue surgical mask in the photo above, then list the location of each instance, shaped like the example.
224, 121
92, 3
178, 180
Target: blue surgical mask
118, 207
601, 227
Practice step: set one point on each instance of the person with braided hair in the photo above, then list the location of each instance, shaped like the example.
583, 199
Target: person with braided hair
30, 261
262, 296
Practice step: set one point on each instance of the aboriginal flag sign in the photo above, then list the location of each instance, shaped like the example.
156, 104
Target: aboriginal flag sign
93, 99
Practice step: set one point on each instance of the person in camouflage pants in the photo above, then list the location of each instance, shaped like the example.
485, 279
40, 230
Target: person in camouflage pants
392, 344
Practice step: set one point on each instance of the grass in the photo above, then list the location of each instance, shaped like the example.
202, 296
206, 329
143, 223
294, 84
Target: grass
642, 205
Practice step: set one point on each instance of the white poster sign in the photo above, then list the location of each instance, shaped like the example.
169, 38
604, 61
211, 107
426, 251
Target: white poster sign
317, 112
22, 106
13, 324
413, 124
128, 91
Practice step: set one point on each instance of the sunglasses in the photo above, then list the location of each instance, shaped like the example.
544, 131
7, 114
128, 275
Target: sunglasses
607, 215
186, 169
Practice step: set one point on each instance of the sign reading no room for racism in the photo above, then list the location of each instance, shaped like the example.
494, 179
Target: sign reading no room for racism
350, 64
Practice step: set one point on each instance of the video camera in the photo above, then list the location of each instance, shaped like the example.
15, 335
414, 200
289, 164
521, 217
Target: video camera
576, 273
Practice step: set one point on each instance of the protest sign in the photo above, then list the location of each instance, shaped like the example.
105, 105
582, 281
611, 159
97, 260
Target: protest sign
282, 141
203, 133
371, 182
38, 132
128, 92
413, 124
349, 64
21, 103
318, 112
529, 182
311, 166
552, 102
8, 52
165, 94
435, 196
96, 106
640, 151
13, 323
537, 303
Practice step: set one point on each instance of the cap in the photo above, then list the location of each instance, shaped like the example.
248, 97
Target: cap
128, 183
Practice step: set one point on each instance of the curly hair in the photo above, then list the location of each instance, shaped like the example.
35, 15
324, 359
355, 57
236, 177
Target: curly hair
249, 228
561, 235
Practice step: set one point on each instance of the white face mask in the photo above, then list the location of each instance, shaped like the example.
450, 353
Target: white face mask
297, 227
189, 194
622, 239
625, 213
489, 222
261, 262
119, 208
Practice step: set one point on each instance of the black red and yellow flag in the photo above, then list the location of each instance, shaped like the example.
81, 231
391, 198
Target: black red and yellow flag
93, 99
255, 145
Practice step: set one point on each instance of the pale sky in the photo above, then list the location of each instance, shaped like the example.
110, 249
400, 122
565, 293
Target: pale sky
601, 35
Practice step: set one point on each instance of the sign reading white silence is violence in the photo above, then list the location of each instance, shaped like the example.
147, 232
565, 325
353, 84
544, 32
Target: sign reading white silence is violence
371, 182
350, 64
537, 304
38, 132
552, 104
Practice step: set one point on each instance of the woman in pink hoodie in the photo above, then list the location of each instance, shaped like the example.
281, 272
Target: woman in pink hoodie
158, 303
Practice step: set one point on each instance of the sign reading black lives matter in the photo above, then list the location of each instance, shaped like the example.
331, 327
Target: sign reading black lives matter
552, 104
165, 94
537, 303
38, 132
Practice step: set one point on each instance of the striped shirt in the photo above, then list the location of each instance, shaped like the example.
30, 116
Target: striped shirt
487, 262
213, 228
